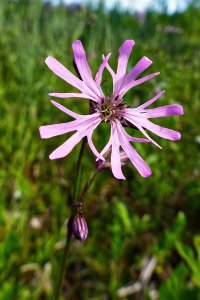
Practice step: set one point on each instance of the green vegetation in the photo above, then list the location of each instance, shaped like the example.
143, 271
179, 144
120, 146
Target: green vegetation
130, 222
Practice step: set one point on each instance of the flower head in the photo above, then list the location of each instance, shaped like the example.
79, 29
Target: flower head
109, 109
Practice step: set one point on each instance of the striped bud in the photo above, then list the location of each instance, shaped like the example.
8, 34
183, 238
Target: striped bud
79, 228
103, 165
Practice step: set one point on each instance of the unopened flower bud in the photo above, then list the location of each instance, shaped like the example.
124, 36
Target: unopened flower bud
103, 165
79, 228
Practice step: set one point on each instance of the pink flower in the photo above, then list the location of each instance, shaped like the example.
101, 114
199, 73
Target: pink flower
109, 109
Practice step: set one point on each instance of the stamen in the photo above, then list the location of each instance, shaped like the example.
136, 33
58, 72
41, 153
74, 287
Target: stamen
109, 109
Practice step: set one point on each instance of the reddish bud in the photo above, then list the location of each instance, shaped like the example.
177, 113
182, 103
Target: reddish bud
79, 228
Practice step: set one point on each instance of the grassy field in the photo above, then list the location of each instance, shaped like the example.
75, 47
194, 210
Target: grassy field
133, 224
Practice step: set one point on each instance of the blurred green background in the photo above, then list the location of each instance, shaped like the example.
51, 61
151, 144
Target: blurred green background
144, 239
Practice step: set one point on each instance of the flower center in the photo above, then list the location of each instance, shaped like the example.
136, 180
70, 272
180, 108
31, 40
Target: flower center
108, 110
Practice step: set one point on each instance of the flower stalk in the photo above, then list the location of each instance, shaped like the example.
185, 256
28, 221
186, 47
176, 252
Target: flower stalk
61, 274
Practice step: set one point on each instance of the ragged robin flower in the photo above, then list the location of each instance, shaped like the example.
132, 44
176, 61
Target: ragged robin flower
107, 109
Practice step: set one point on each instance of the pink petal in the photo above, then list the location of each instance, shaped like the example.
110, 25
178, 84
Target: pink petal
112, 73
140, 67
98, 76
72, 95
150, 139
136, 140
115, 155
82, 123
137, 160
95, 123
110, 70
164, 111
137, 121
143, 79
106, 148
84, 69
63, 72
132, 154
93, 148
66, 75
49, 131
81, 60
151, 100
66, 110
67, 146
85, 129
73, 114
128, 81
160, 131
124, 53
130, 84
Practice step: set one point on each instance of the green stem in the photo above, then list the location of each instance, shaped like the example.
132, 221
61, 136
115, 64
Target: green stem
62, 269
87, 186
78, 170
68, 239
